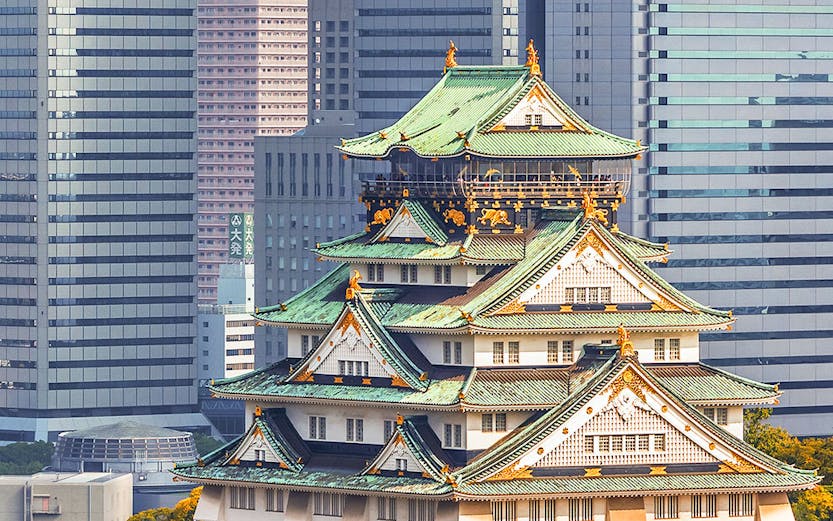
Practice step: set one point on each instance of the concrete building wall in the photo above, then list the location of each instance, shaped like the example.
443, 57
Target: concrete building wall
252, 82
67, 497
97, 276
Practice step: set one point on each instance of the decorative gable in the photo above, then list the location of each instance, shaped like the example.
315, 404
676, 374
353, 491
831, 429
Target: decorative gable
256, 449
412, 449
536, 109
357, 349
592, 272
410, 222
271, 440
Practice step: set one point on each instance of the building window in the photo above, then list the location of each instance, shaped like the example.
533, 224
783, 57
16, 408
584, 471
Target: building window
353, 368
274, 500
304, 345
408, 273
355, 429
458, 353
659, 349
386, 509
580, 510
327, 504
317, 428
375, 272
402, 464
589, 444
628, 443
740, 505
567, 351
421, 510
388, 428
659, 442
719, 415
587, 295
552, 351
500, 422
487, 422
453, 435
673, 348
497, 352
442, 274
446, 352
504, 510
242, 498
260, 455
542, 510
481, 270
666, 507
514, 352
703, 506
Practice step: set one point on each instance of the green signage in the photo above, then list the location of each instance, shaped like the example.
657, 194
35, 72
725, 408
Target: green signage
241, 236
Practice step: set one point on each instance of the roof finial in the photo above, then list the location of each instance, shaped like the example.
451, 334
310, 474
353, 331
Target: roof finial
624, 341
532, 59
450, 61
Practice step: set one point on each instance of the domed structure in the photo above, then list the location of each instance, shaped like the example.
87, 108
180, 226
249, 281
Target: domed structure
146, 451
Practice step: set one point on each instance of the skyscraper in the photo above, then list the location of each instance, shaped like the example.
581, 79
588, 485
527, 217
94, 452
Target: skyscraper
252, 82
97, 201
735, 103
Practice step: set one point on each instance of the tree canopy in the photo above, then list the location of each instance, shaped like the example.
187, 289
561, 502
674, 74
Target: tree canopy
25, 458
182, 511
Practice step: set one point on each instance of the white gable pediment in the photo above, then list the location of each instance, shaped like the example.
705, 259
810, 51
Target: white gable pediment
536, 102
599, 273
629, 407
255, 448
402, 226
347, 351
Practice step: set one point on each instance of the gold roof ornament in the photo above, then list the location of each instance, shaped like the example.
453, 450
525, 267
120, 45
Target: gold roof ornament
353, 285
450, 60
532, 59
591, 208
624, 341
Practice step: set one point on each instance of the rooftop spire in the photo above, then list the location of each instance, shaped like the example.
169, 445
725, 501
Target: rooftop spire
532, 59
450, 60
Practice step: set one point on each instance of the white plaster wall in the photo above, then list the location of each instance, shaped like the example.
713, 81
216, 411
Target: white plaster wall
431, 347
533, 348
479, 440
337, 421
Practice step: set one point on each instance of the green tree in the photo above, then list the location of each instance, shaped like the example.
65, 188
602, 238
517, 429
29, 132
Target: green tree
182, 511
814, 505
25, 458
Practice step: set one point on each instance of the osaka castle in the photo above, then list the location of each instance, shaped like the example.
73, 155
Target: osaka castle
492, 346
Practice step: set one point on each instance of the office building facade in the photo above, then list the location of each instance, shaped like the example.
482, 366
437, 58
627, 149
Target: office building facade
98, 215
252, 82
734, 102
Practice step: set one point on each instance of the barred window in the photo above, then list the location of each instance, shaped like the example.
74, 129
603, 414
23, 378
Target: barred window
421, 510
304, 345
630, 443
552, 352
317, 427
458, 353
589, 444
659, 349
514, 352
703, 506
274, 500
386, 509
442, 274
388, 429
504, 510
486, 422
452, 435
402, 464
355, 429
674, 349
659, 442
500, 422
719, 415
666, 507
542, 510
446, 352
740, 505
242, 498
567, 351
497, 352
580, 510
328, 504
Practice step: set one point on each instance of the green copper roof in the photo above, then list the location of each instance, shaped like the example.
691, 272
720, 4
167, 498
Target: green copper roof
424, 218
642, 249
456, 117
423, 445
317, 480
639, 485
700, 383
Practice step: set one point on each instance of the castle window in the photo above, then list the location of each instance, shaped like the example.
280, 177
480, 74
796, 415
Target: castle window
442, 274
481, 270
589, 444
552, 351
408, 273
542, 510
673, 348
274, 500
260, 455
659, 349
580, 510
453, 435
486, 423
355, 429
401, 464
327, 504
304, 345
740, 505
242, 498
666, 507
659, 442
567, 351
500, 422
421, 510
514, 352
497, 352
388, 429
353, 368
375, 272
587, 295
719, 415
703, 506
317, 428
458, 352
504, 510
386, 509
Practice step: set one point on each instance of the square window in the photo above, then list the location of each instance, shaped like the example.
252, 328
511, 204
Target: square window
486, 423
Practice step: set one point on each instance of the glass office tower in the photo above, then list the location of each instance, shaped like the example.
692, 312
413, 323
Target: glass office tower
97, 167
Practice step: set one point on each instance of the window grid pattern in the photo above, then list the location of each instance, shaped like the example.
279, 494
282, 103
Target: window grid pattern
659, 349
386, 509
580, 510
421, 510
497, 352
504, 510
328, 504
567, 352
354, 429
453, 435
740, 505
542, 510
719, 415
673, 348
242, 498
274, 500
552, 351
601, 275
514, 352
317, 428
666, 507
703, 506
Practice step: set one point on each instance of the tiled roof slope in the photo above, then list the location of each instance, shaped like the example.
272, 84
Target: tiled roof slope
423, 444
455, 117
